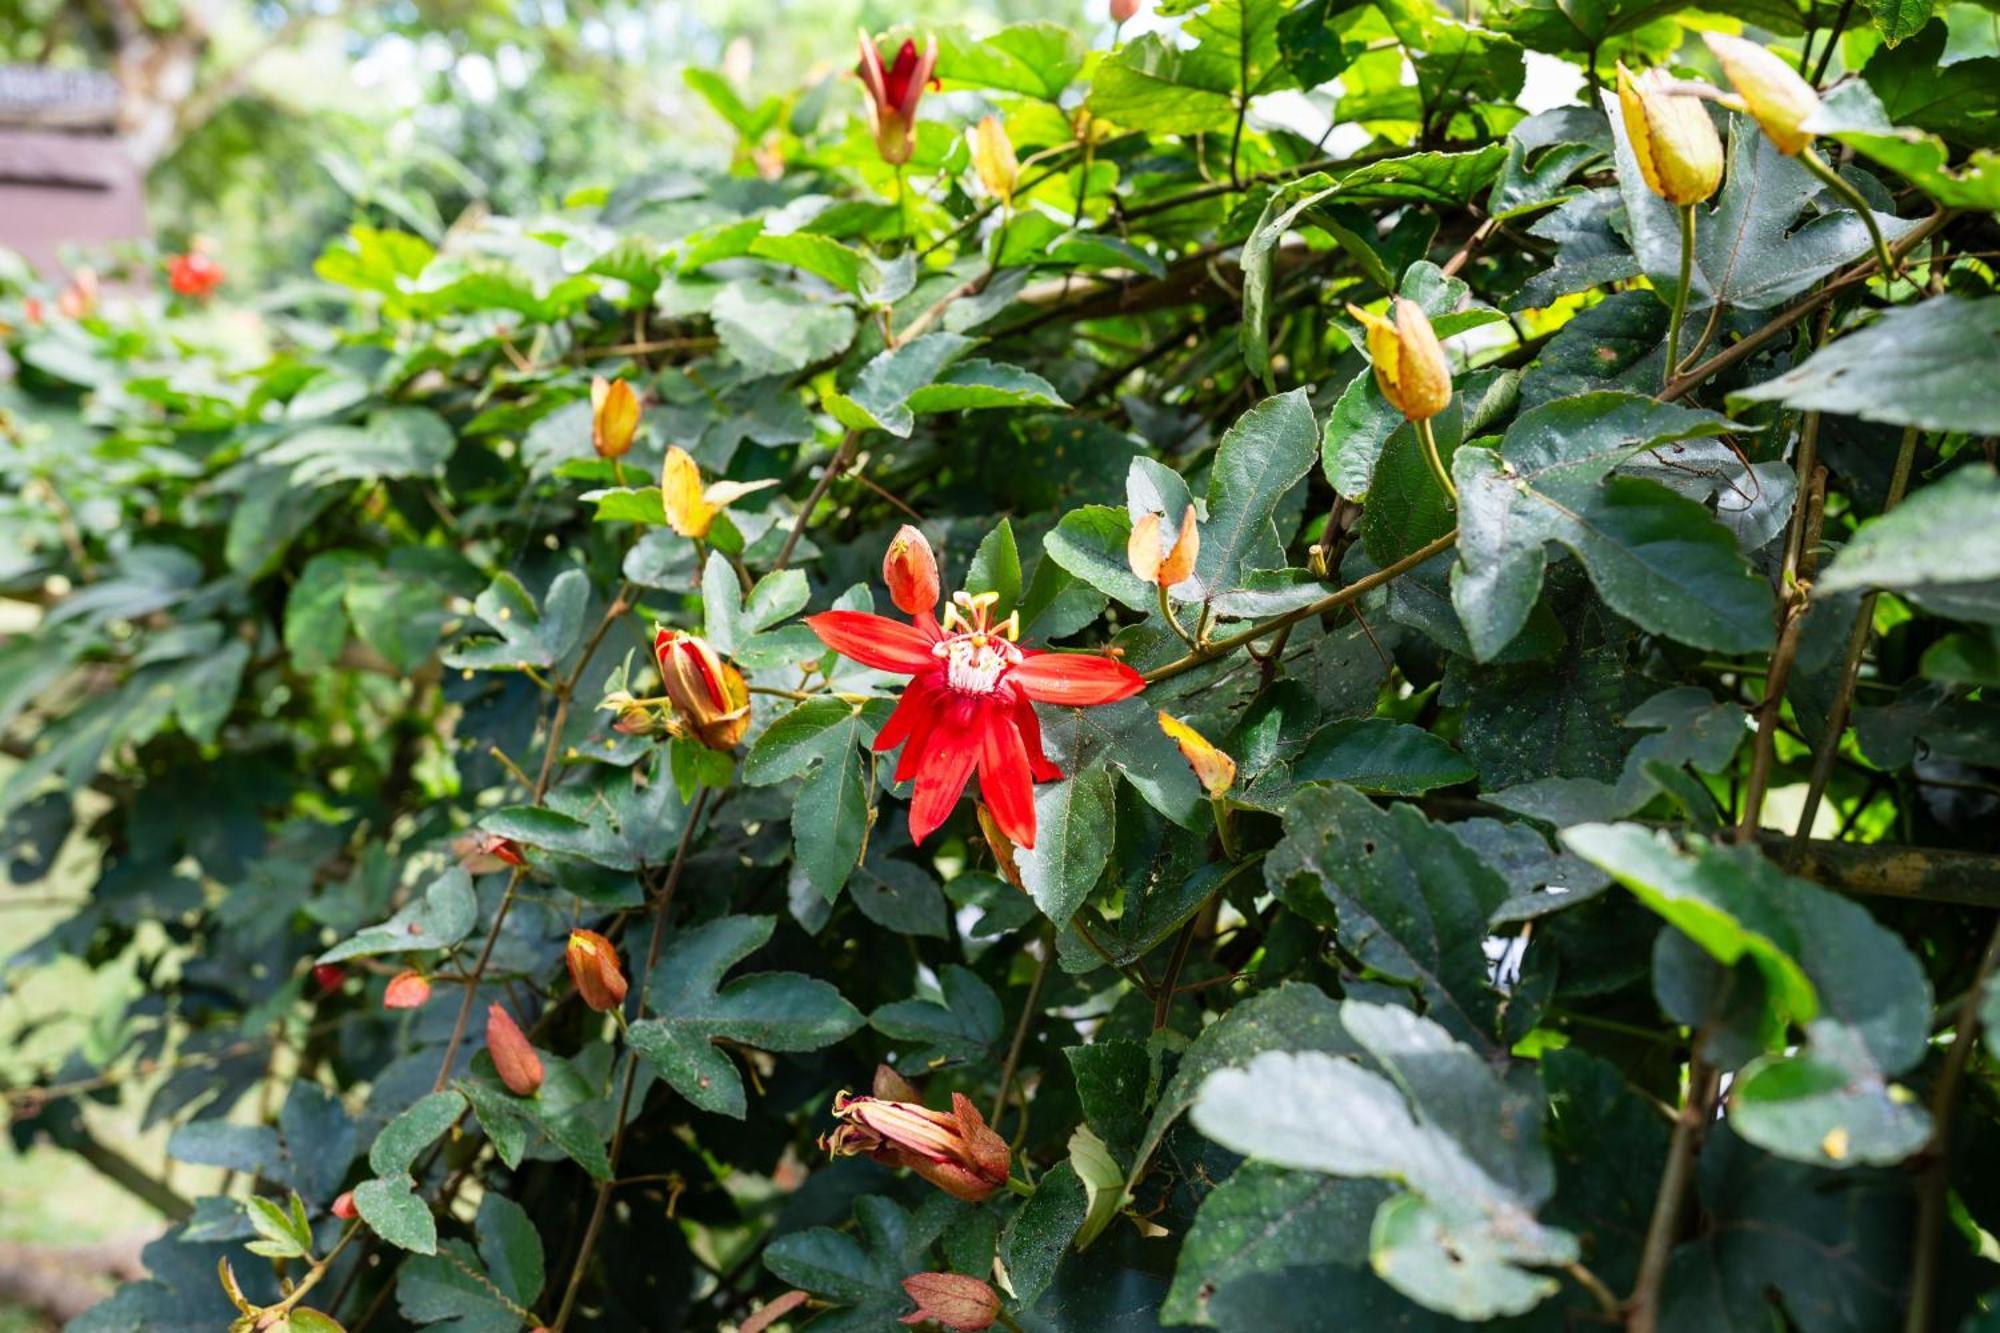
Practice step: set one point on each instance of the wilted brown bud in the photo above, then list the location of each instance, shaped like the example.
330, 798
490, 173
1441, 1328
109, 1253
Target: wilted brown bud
407, 990
951, 1300
1156, 562
957, 1152
593, 966
483, 853
513, 1058
1678, 150
1215, 770
910, 569
710, 696
1410, 365
614, 416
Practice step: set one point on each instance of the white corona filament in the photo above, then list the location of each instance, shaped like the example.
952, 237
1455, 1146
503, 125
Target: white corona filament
976, 655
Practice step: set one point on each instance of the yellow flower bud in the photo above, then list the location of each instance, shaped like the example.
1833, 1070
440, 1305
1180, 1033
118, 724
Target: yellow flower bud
1775, 93
691, 507
614, 416
1410, 365
1215, 770
1156, 562
1679, 152
993, 158
680, 494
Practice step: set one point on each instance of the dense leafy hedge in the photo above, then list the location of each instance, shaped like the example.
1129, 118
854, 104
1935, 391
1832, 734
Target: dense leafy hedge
1461, 986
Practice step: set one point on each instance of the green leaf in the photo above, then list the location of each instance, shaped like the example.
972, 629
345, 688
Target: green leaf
396, 442
1103, 1184
1381, 756
1262, 457
773, 1011
530, 636
1035, 59
451, 1292
414, 1130
1655, 557
1167, 89
1437, 1120
1296, 1016
1406, 898
444, 915
1072, 842
1957, 99
844, 267
1765, 1216
1926, 365
1037, 1236
393, 1211
1935, 549
316, 611
774, 330
1265, 1219
996, 567
900, 897
398, 613
1111, 1083
629, 504
865, 1273
964, 1027
1089, 543
820, 741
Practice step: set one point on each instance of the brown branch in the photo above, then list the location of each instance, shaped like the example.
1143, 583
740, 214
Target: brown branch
836, 465
564, 692
661, 910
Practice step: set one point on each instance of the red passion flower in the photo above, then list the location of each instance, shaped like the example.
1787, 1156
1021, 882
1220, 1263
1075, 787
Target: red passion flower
970, 700
194, 274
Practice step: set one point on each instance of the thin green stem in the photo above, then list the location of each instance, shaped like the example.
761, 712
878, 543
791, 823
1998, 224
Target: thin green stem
1174, 621
1020, 1040
1352, 592
1428, 439
1678, 310
1840, 185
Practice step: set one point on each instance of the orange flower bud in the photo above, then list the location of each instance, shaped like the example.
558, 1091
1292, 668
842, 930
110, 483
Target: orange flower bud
407, 990
1678, 150
593, 966
513, 1058
1123, 11
709, 695
614, 416
993, 158
911, 570
1777, 96
1215, 770
1001, 845
951, 1300
1145, 554
343, 1207
1410, 365
956, 1152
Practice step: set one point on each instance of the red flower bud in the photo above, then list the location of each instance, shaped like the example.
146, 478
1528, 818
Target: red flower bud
893, 94
328, 976
708, 693
1123, 11
593, 966
951, 1300
343, 1207
407, 990
482, 853
911, 570
513, 1058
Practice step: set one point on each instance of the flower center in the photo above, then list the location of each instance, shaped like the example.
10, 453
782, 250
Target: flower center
977, 654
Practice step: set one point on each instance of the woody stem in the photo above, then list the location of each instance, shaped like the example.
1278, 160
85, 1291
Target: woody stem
1840, 185
1678, 310
1428, 438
